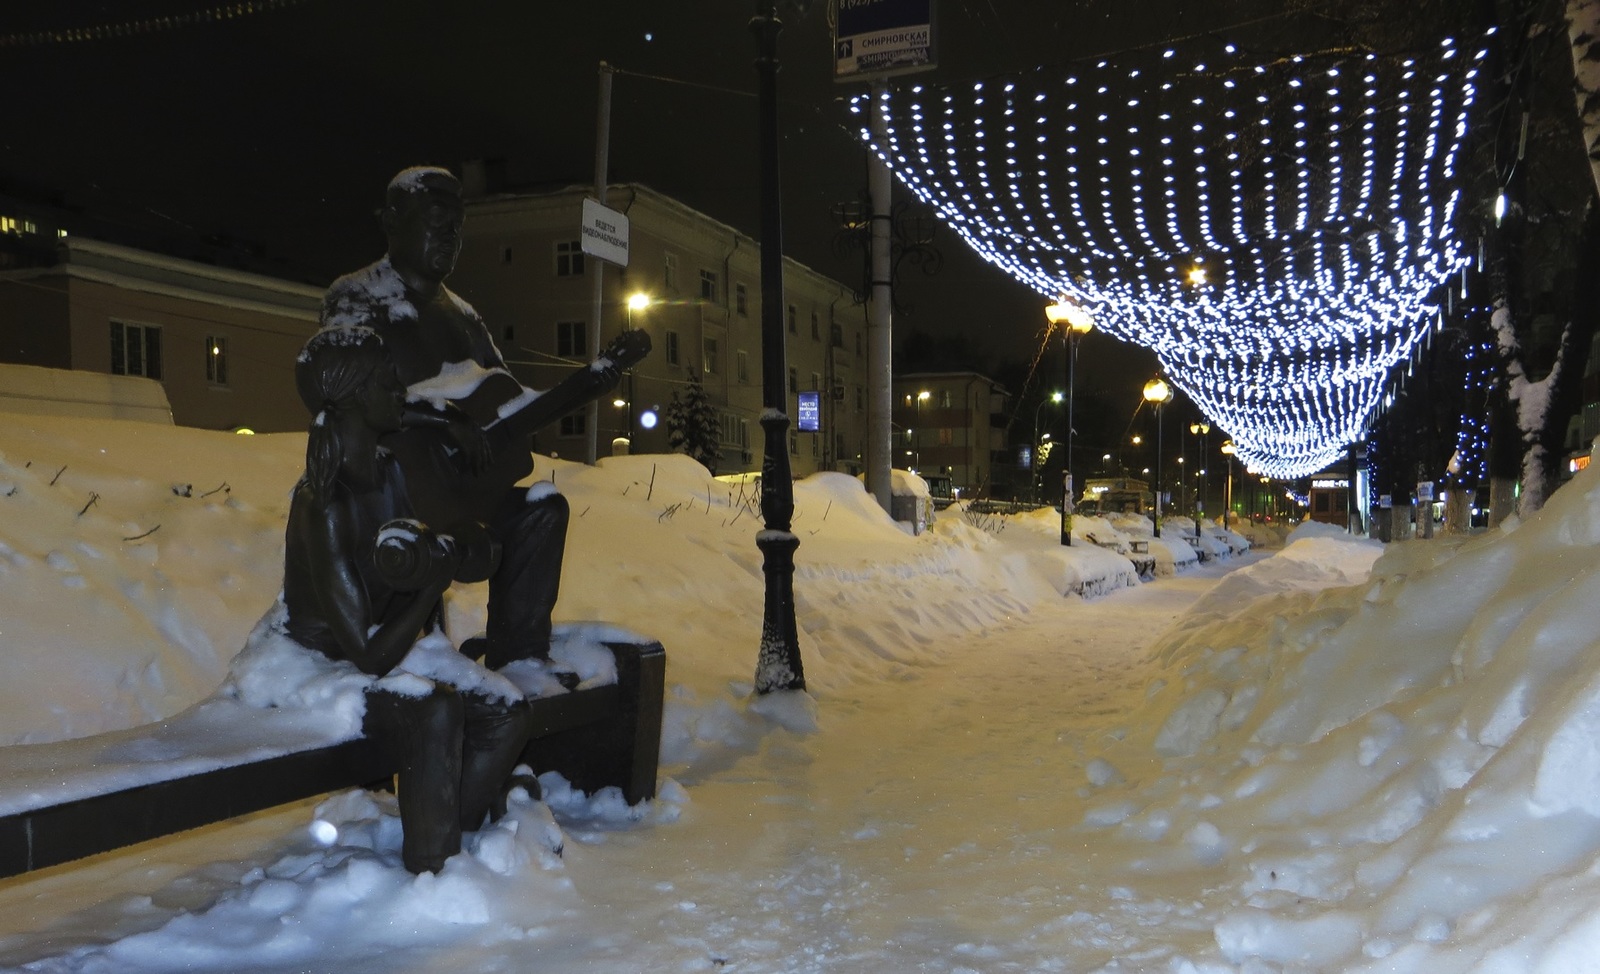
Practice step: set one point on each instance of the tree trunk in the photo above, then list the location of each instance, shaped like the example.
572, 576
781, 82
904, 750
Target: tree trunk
1583, 30
1458, 510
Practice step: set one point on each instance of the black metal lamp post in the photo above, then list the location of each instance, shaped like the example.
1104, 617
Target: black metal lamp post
1158, 393
1073, 321
778, 665
1055, 397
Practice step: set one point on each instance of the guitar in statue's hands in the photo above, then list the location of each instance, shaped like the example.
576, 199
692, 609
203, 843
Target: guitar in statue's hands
464, 442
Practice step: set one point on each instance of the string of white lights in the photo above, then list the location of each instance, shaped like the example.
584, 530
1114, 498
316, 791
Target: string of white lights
1274, 232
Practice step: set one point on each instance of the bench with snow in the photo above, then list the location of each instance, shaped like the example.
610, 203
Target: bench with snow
1136, 550
223, 758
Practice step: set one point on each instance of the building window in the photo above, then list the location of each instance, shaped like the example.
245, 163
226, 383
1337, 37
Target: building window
816, 327
794, 443
709, 347
216, 360
508, 333
816, 444
794, 380
816, 381
858, 344
671, 351
944, 399
741, 300
574, 424
135, 350
505, 255
861, 398
571, 342
743, 359
709, 287
735, 431
569, 258
669, 271
794, 319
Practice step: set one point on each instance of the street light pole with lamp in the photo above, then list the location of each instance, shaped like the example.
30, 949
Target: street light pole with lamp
1056, 398
916, 431
1158, 394
778, 665
1228, 451
1201, 429
1078, 321
637, 301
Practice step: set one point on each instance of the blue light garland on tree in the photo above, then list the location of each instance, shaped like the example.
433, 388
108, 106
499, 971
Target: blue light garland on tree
1273, 232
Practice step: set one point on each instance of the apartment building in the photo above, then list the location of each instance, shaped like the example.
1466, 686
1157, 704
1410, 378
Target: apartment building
695, 285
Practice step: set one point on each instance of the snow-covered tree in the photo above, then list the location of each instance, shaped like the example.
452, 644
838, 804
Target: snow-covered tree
693, 426
1583, 32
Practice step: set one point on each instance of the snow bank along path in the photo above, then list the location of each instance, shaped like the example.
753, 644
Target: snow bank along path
1338, 758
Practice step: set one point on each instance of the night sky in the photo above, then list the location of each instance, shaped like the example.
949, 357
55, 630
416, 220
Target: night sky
277, 128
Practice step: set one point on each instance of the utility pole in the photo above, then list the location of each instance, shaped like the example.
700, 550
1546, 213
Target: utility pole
595, 266
880, 323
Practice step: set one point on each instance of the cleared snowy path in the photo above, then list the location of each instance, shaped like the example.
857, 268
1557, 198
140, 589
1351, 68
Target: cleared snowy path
931, 825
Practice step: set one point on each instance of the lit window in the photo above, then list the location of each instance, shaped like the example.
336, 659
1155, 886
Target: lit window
217, 360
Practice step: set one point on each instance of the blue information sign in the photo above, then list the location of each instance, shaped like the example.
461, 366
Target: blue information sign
810, 418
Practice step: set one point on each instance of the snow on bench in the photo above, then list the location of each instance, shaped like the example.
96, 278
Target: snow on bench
225, 757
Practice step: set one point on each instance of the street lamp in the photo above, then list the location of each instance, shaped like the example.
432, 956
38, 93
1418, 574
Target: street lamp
637, 301
1158, 394
1055, 397
1201, 429
1227, 497
1077, 321
916, 430
778, 665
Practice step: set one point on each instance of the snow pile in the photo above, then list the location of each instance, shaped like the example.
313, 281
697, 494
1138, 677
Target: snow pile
1402, 774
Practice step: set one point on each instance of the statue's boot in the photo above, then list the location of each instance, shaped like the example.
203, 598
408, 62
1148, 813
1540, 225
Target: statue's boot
425, 735
496, 732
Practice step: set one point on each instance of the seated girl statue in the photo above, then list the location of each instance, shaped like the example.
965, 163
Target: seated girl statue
455, 744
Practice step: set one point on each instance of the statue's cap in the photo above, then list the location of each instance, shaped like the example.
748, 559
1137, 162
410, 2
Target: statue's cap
422, 179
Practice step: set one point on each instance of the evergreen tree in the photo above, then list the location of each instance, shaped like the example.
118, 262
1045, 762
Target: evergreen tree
693, 426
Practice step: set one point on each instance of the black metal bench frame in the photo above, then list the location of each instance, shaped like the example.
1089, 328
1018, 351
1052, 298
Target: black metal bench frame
598, 737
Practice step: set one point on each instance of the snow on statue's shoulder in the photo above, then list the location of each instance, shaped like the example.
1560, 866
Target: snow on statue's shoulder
373, 291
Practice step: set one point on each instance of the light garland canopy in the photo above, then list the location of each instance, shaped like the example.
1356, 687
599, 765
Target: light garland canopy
1274, 231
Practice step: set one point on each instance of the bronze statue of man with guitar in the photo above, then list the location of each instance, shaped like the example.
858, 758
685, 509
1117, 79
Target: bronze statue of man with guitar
463, 445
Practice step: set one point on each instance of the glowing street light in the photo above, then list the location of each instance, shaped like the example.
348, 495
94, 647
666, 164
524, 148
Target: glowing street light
1158, 394
1055, 397
1228, 450
1073, 321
